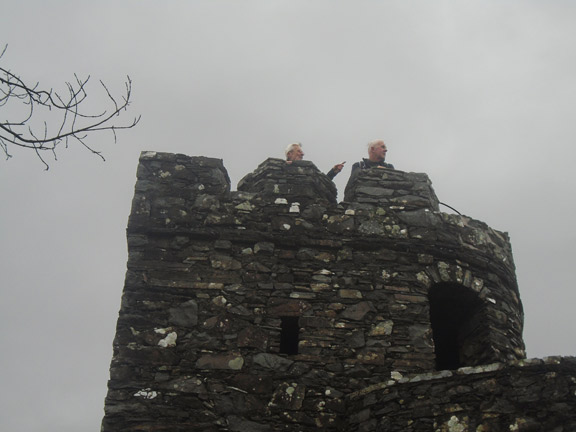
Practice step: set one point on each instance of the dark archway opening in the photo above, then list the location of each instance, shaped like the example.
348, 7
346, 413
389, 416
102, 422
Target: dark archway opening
456, 320
289, 335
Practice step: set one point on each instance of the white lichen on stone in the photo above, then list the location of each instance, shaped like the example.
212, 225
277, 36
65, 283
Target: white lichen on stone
146, 393
245, 206
286, 227
385, 275
223, 323
455, 425
281, 201
295, 207
148, 154
459, 274
220, 301
423, 278
477, 284
350, 212
517, 426
444, 270
429, 376
237, 389
169, 341
395, 375
532, 362
396, 231
165, 174
319, 287
236, 363
480, 369
382, 329
324, 272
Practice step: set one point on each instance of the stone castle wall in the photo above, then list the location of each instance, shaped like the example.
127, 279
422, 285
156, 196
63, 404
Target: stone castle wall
274, 308
526, 395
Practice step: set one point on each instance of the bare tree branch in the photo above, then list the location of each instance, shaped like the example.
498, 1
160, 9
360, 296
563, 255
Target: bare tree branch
62, 117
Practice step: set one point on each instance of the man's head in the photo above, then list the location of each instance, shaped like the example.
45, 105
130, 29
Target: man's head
294, 152
377, 151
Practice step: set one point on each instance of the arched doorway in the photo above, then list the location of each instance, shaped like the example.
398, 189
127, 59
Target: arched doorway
458, 326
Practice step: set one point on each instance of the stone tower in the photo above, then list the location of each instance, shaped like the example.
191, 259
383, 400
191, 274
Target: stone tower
274, 308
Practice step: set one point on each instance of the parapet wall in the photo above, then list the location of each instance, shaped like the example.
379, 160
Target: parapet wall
300, 180
220, 284
392, 188
527, 395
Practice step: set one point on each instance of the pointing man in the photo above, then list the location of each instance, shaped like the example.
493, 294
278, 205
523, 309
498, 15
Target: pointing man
294, 152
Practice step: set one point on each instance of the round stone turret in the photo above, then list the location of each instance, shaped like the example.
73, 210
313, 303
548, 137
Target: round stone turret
275, 308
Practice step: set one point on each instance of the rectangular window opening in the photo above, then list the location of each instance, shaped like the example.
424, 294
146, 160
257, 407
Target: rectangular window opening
289, 335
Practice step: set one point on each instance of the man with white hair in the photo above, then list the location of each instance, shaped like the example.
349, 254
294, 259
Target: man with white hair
294, 152
376, 156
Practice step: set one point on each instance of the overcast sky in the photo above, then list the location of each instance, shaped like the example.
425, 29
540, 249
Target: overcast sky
480, 95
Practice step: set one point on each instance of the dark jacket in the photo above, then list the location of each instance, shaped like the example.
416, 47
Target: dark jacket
367, 163
331, 174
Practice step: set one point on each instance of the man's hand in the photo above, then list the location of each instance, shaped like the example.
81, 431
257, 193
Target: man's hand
338, 167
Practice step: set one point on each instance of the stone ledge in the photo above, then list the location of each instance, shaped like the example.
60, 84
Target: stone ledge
477, 370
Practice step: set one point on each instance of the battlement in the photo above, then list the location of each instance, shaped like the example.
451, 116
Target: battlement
299, 180
265, 307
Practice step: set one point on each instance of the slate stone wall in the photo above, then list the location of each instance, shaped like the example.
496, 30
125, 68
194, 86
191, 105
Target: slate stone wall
527, 395
392, 188
300, 180
213, 277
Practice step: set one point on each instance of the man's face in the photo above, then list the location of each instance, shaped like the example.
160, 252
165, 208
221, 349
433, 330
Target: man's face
295, 154
378, 152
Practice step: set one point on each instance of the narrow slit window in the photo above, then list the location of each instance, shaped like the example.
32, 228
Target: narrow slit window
289, 335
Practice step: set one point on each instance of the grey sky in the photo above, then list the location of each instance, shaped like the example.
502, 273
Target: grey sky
480, 95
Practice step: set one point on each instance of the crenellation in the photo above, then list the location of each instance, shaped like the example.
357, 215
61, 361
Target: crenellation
275, 308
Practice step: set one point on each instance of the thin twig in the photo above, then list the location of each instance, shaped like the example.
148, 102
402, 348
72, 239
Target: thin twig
75, 123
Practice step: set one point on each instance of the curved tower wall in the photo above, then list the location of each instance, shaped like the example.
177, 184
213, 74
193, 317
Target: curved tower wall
261, 309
